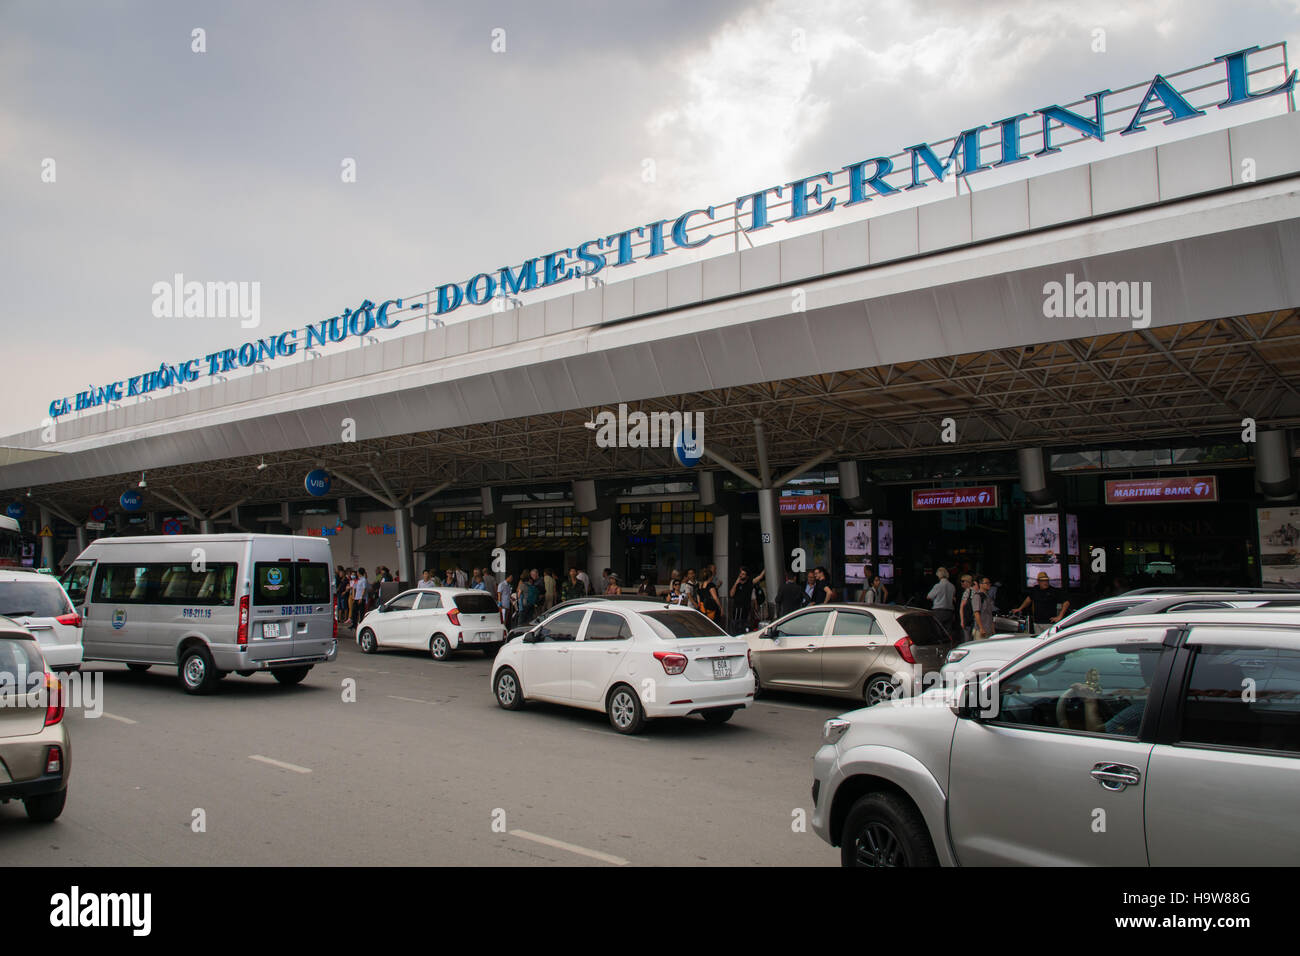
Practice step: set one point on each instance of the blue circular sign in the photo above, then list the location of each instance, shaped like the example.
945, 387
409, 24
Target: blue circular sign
131, 501
16, 510
688, 456
99, 513
317, 482
273, 576
171, 526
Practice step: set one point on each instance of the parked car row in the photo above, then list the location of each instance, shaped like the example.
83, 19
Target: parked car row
1157, 730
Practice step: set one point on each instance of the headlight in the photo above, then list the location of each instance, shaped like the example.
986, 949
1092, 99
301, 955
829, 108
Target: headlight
833, 730
957, 654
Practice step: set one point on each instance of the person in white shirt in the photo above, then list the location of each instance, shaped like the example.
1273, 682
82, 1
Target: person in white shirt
586, 581
359, 585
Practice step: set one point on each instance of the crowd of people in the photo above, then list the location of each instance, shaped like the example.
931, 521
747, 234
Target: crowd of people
355, 594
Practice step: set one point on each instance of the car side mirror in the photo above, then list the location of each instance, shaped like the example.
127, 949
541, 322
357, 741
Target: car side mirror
534, 636
966, 700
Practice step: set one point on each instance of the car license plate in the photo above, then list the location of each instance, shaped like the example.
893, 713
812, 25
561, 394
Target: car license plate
721, 669
484, 636
271, 629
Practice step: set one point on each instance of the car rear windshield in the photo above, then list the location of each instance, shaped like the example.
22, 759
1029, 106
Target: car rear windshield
924, 629
40, 597
20, 662
685, 623
476, 603
283, 582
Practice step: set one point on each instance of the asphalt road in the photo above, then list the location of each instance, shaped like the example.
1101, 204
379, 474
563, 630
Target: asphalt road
423, 768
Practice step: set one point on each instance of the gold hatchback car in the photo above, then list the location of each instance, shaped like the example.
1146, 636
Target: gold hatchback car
34, 753
868, 653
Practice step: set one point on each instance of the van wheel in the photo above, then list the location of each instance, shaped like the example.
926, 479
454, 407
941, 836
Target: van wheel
625, 712
197, 675
47, 807
439, 649
885, 830
138, 668
288, 676
507, 690
368, 643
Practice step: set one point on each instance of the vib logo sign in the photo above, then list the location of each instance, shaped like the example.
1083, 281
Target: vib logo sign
317, 482
131, 501
119, 619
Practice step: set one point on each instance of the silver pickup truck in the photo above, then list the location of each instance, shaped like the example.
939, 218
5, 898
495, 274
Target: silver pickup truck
1151, 740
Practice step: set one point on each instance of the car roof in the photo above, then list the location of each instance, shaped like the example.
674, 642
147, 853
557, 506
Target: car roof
11, 628
1225, 617
26, 574
1157, 591
1159, 604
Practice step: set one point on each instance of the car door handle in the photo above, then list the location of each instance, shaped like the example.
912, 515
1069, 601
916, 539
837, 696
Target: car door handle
811, 647
1116, 776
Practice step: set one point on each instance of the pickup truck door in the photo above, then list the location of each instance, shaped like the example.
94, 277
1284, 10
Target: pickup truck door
1057, 775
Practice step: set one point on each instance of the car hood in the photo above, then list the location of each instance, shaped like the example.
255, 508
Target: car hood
921, 727
992, 654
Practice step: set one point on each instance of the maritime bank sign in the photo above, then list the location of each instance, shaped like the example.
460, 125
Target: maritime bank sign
865, 179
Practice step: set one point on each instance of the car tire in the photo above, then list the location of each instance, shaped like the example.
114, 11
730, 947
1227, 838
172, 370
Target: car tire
138, 668
885, 830
288, 676
623, 707
507, 690
46, 807
196, 673
759, 690
877, 688
367, 641
719, 715
439, 647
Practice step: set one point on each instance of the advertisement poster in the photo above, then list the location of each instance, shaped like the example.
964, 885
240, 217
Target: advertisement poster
886, 572
1072, 536
886, 538
1279, 545
1042, 536
857, 537
855, 573
1053, 572
815, 538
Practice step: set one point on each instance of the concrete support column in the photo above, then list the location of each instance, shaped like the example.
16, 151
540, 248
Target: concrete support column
405, 553
769, 520
81, 539
205, 526
1273, 464
47, 544
599, 531
722, 546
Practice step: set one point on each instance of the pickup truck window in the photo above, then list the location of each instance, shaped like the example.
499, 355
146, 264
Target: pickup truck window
1245, 698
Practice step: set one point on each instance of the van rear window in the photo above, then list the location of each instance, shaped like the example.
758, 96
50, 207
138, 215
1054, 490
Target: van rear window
288, 583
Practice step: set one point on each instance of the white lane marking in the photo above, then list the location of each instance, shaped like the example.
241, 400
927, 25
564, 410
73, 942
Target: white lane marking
279, 763
125, 720
610, 733
571, 847
413, 700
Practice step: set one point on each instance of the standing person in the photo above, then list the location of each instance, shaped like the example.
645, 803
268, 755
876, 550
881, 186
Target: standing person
573, 588
983, 610
462, 579
359, 596
504, 591
942, 598
550, 589
707, 601
789, 597
645, 587
742, 601
675, 593
611, 584
875, 593
965, 614
490, 580
604, 580
525, 599
689, 585
821, 588
1045, 600
448, 579
478, 583
586, 582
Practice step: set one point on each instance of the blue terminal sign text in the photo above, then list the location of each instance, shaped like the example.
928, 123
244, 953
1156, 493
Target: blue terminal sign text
865, 180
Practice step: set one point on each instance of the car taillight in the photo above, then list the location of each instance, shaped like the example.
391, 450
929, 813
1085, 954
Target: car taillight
241, 636
54, 700
54, 760
72, 620
454, 616
904, 647
336, 628
673, 663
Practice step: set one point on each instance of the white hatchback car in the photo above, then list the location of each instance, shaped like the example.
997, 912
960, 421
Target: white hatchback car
635, 660
40, 604
437, 620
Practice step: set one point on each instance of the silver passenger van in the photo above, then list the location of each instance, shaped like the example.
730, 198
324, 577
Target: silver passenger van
208, 604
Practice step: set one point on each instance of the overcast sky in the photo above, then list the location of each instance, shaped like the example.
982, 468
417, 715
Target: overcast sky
225, 165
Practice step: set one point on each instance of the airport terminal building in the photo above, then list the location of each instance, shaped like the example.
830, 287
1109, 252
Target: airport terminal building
1066, 340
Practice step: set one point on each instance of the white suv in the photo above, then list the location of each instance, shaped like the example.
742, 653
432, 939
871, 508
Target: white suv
38, 602
437, 620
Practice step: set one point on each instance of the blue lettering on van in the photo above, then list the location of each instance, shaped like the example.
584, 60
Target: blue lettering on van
290, 609
204, 612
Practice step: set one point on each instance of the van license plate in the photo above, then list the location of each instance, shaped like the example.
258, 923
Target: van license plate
271, 629
721, 669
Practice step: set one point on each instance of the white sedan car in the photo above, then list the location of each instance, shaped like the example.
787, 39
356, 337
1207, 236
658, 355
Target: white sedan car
437, 620
635, 660
40, 604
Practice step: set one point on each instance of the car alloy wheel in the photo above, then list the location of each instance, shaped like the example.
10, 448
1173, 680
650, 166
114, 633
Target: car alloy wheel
879, 689
507, 689
622, 709
439, 648
877, 845
368, 643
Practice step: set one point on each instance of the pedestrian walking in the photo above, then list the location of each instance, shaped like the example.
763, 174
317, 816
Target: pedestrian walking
965, 614
1049, 604
983, 610
789, 597
942, 598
